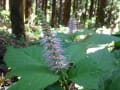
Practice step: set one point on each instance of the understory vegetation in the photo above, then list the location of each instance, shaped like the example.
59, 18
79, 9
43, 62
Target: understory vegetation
60, 45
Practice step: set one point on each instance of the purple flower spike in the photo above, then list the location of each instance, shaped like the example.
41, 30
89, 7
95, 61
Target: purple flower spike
53, 50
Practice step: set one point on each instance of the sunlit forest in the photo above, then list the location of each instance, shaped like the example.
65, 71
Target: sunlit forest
59, 44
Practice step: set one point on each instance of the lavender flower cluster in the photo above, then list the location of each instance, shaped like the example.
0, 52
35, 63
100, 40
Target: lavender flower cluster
53, 50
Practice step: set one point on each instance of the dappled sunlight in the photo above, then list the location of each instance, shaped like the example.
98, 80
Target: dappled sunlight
95, 49
79, 87
60, 44
82, 36
105, 30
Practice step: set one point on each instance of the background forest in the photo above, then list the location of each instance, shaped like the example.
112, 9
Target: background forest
59, 44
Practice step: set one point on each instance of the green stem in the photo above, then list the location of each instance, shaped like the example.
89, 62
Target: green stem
64, 78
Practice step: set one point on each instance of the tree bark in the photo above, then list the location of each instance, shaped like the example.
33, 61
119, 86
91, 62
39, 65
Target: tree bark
53, 18
91, 9
101, 13
44, 6
28, 8
67, 10
17, 18
61, 13
2, 4
75, 6
38, 3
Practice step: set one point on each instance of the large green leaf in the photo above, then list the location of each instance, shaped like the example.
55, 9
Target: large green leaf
115, 84
112, 82
90, 66
88, 70
55, 86
93, 65
86, 74
75, 52
28, 63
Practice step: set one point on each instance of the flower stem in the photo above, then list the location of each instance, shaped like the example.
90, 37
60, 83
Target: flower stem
64, 78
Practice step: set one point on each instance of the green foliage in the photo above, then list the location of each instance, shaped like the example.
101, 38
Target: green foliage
117, 45
75, 37
4, 17
115, 84
28, 63
92, 66
112, 82
91, 57
55, 86
39, 16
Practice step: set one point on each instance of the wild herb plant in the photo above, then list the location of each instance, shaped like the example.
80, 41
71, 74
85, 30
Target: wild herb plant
91, 57
42, 68
54, 54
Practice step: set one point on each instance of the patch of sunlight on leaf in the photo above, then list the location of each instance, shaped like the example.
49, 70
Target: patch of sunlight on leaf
94, 49
79, 87
103, 59
91, 67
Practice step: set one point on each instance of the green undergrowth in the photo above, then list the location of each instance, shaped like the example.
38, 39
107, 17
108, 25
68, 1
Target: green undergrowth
93, 61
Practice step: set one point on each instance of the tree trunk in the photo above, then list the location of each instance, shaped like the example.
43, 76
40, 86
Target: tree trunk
67, 9
109, 12
86, 10
101, 13
91, 9
61, 13
53, 18
17, 18
30, 6
44, 6
38, 3
2, 4
75, 6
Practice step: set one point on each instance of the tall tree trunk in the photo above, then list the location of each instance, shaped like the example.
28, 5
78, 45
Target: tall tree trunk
67, 9
30, 6
38, 3
17, 18
75, 6
44, 6
86, 10
108, 21
91, 9
2, 4
61, 13
101, 13
53, 18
